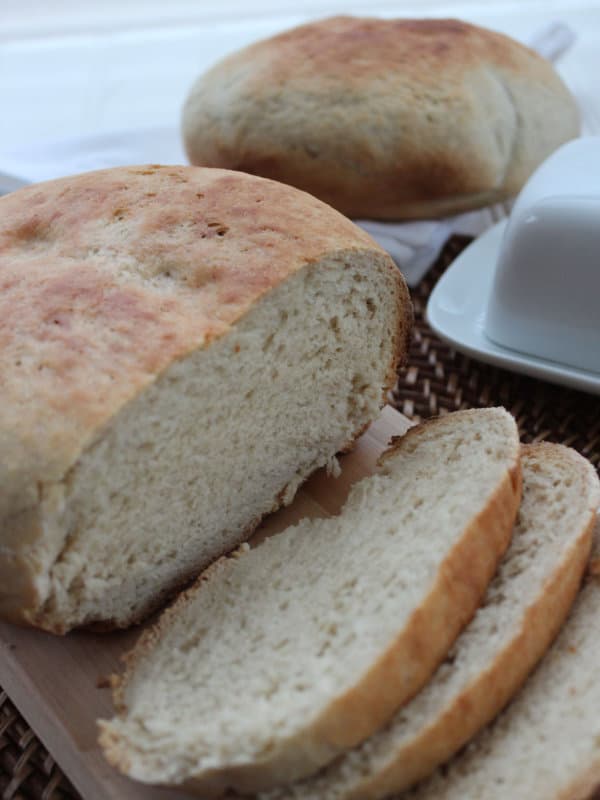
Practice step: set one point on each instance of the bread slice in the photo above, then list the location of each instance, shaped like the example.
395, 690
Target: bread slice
383, 118
180, 349
284, 657
524, 607
545, 745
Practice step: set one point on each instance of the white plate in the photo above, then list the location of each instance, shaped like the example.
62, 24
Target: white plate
456, 312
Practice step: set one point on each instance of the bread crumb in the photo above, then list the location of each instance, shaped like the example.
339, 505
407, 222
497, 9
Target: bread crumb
241, 550
333, 468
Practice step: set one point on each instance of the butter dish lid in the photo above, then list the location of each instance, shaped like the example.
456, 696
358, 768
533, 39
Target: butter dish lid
544, 298
525, 294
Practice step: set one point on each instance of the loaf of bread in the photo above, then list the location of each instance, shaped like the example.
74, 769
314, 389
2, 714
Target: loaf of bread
383, 119
282, 658
179, 349
523, 609
545, 745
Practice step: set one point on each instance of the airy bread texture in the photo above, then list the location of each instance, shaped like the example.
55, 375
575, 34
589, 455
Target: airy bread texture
386, 119
180, 349
545, 745
523, 609
282, 658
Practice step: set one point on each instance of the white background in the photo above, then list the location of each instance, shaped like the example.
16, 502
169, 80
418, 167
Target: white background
71, 69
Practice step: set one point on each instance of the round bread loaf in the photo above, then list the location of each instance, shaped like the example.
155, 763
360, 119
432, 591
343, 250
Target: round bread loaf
180, 349
384, 119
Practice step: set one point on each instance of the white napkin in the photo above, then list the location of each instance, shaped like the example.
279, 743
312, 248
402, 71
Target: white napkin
414, 246
50, 160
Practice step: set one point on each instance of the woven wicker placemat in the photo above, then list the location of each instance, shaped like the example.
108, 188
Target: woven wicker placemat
437, 380
27, 770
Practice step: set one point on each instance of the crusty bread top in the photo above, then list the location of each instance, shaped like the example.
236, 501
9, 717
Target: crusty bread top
108, 277
364, 47
386, 118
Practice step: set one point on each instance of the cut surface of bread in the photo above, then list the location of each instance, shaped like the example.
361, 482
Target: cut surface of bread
383, 118
545, 745
181, 348
281, 658
522, 611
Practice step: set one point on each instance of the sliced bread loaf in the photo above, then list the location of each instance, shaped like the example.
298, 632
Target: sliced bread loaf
524, 607
179, 349
282, 658
546, 744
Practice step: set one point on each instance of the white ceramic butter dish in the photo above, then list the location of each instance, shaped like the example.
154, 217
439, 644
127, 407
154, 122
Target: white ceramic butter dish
526, 294
545, 295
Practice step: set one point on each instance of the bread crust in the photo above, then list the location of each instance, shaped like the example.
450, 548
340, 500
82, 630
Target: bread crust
394, 678
585, 787
489, 692
384, 119
107, 279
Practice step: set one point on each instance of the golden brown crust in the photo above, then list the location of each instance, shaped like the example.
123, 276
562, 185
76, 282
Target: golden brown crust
106, 279
585, 787
399, 673
594, 568
383, 118
489, 692
424, 51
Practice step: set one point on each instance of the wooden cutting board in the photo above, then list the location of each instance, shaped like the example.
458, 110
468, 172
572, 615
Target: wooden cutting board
56, 682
